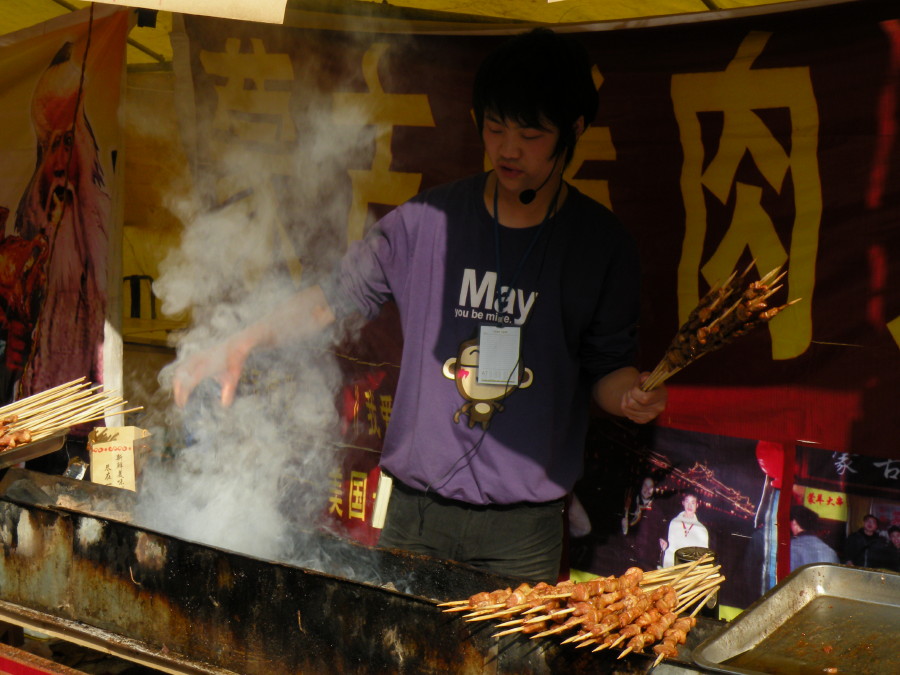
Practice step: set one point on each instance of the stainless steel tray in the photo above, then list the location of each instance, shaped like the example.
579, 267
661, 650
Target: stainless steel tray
822, 618
33, 450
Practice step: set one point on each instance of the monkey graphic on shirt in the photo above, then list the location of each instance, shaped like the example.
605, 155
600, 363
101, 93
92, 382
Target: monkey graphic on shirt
481, 400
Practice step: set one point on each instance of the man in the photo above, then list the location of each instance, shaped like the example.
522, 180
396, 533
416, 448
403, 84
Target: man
806, 547
864, 546
518, 300
892, 551
685, 530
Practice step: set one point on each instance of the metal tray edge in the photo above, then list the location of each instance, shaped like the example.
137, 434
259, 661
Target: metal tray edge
810, 580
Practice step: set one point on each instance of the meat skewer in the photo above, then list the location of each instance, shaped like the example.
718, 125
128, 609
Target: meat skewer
637, 608
725, 313
13, 439
673, 637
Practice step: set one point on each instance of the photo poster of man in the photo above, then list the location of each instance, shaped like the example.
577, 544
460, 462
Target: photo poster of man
60, 90
648, 492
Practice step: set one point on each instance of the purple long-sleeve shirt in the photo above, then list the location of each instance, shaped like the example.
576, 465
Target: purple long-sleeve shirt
575, 296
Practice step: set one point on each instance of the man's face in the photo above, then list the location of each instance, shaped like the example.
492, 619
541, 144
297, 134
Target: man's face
54, 180
647, 488
870, 525
895, 539
521, 156
690, 504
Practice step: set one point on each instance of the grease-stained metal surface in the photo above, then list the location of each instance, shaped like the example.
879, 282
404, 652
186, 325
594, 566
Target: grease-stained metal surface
203, 609
822, 618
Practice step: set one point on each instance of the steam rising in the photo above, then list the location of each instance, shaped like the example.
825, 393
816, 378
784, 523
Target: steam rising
252, 477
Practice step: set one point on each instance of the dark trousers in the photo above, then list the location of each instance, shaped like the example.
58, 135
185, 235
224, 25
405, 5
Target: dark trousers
521, 540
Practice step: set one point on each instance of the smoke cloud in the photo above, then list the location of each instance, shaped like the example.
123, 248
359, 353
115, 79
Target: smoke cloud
253, 477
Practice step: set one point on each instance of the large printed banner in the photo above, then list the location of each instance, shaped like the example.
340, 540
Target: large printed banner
770, 139
59, 139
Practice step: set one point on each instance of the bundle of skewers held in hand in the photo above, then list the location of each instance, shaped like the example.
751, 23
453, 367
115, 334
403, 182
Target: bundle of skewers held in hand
727, 312
54, 411
632, 611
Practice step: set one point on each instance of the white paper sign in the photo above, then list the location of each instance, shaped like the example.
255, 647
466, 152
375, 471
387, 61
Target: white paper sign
112, 455
268, 11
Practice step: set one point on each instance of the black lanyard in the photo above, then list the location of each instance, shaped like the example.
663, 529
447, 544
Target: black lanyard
499, 297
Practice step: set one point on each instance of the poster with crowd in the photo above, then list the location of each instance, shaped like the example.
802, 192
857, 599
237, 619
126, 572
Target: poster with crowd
60, 135
760, 141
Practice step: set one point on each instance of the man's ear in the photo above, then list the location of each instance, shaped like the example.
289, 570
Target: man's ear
578, 127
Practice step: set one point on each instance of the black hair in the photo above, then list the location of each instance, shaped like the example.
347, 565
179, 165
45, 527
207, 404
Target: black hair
806, 518
538, 77
893, 528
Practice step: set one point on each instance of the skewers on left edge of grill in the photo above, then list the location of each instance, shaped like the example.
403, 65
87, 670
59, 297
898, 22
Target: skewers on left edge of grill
55, 411
646, 608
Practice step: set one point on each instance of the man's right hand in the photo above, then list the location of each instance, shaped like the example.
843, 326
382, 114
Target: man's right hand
307, 312
223, 363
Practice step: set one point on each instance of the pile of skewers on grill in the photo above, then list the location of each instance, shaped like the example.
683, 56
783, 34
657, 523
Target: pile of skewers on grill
632, 612
54, 411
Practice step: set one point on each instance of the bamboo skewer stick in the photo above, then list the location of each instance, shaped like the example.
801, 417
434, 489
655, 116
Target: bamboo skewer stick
702, 602
510, 631
70, 409
711, 587
575, 638
49, 393
688, 585
682, 574
551, 615
81, 420
71, 419
496, 615
514, 622
480, 612
552, 631
35, 408
675, 570
73, 402
60, 408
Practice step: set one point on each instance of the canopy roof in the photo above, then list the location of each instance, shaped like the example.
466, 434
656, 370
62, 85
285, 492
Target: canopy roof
149, 46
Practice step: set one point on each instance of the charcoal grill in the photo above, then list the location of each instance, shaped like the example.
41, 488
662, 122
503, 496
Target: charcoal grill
72, 565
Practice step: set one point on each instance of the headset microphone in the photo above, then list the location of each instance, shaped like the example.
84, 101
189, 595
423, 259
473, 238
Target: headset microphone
527, 196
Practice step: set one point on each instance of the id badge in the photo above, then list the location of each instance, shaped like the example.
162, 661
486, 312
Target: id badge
498, 355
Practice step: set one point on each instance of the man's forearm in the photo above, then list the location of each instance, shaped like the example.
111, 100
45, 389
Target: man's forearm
609, 390
305, 313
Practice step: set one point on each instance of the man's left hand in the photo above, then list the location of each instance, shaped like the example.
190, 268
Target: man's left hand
643, 406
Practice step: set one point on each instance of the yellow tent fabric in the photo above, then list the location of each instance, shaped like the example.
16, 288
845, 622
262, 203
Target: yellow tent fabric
574, 11
150, 46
